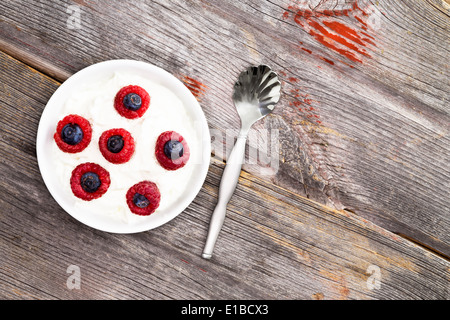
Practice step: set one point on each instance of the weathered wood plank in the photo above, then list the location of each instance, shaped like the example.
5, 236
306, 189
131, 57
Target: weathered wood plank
274, 245
364, 115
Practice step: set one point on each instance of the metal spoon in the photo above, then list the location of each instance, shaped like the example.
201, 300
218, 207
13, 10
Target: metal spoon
256, 92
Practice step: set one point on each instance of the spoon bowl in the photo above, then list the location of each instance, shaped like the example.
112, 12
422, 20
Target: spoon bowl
256, 92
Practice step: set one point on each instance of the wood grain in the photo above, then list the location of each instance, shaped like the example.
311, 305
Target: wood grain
362, 132
274, 245
363, 119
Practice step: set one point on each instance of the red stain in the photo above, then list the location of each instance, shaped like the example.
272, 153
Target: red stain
368, 35
307, 13
328, 61
302, 101
343, 36
197, 88
356, 7
302, 15
331, 37
369, 41
296, 103
326, 42
364, 25
307, 50
345, 31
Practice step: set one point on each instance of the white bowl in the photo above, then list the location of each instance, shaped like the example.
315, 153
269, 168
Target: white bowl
52, 114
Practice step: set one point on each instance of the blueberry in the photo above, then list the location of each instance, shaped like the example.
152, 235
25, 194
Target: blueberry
173, 149
140, 200
71, 134
115, 144
90, 182
132, 101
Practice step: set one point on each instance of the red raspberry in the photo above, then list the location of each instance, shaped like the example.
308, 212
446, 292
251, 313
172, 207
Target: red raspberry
89, 181
143, 198
116, 145
130, 106
78, 139
163, 151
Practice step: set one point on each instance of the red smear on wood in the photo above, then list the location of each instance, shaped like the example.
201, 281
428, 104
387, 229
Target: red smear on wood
326, 42
307, 50
341, 12
368, 35
328, 61
306, 13
367, 39
356, 7
197, 88
302, 101
298, 18
344, 30
361, 21
338, 36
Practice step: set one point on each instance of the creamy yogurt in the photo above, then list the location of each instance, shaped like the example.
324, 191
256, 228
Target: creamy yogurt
95, 102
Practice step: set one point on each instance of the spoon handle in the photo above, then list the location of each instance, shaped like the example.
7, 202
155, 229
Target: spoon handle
230, 178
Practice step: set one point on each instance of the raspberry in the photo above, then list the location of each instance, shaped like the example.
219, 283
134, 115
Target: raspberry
143, 198
171, 150
131, 102
89, 181
116, 145
73, 133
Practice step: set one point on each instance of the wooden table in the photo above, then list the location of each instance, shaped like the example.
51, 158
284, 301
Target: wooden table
355, 205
